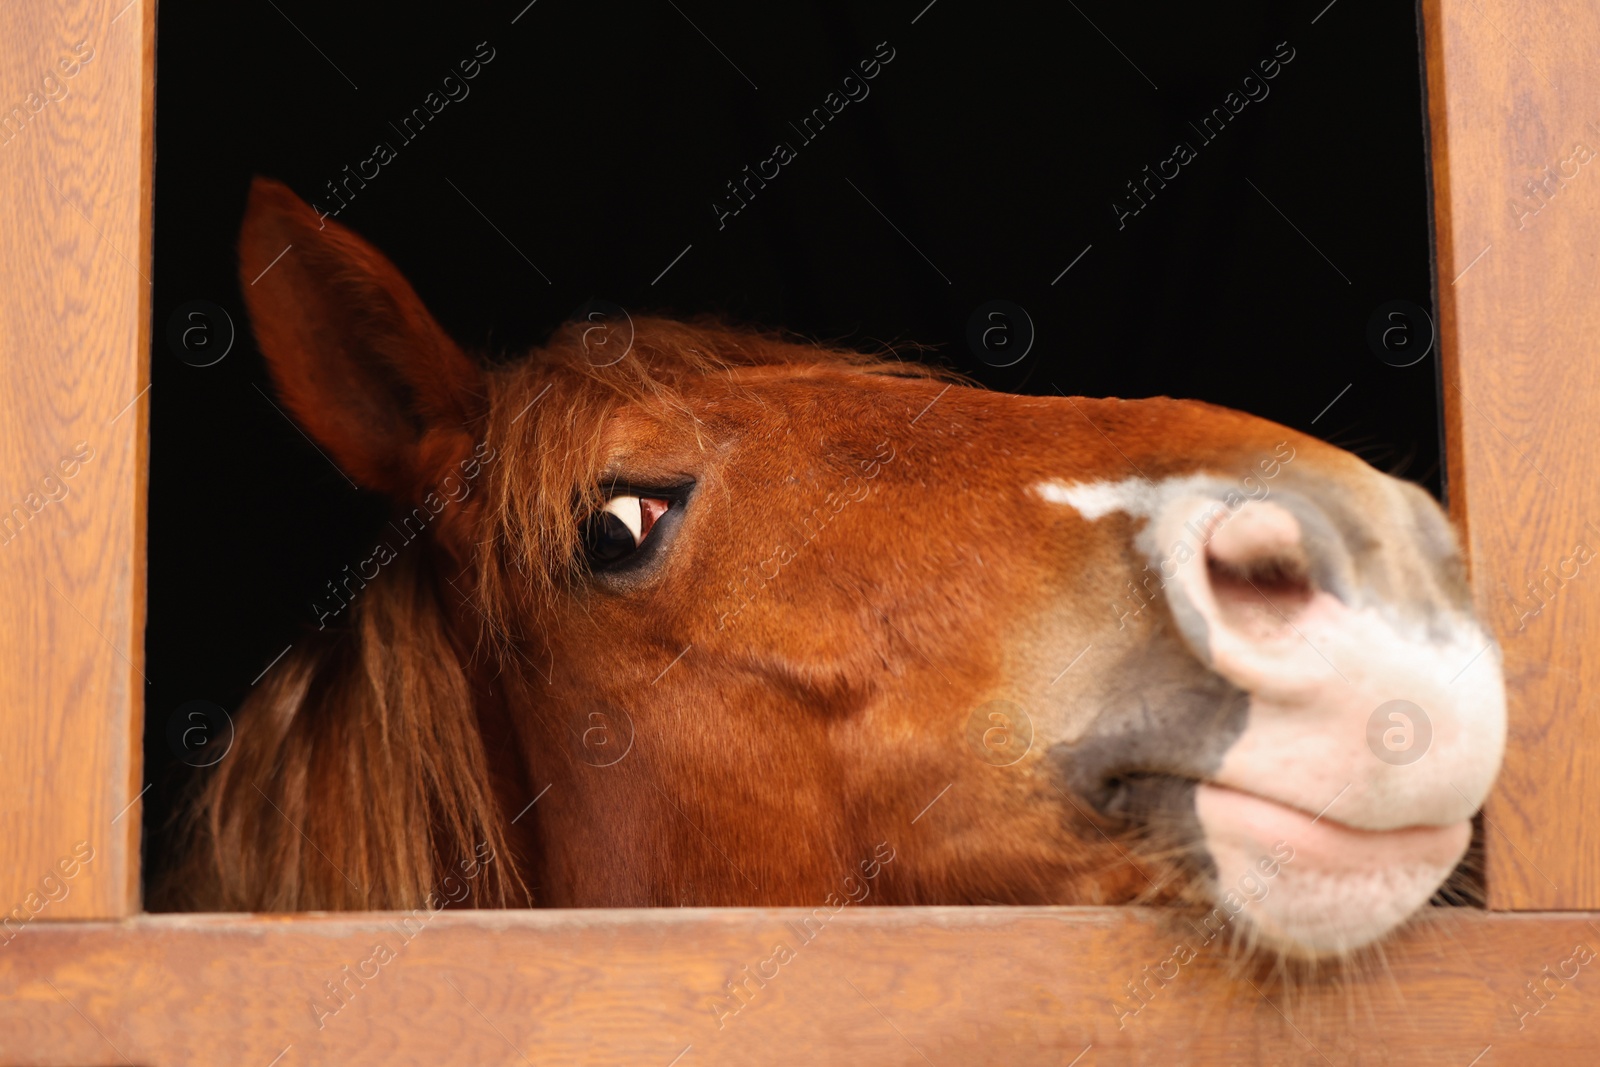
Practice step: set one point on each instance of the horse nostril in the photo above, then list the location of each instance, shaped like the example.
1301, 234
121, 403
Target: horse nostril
1257, 570
1251, 576
1263, 592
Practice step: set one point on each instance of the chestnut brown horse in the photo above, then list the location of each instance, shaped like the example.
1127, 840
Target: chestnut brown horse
683, 614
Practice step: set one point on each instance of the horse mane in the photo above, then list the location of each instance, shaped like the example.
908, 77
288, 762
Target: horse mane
359, 777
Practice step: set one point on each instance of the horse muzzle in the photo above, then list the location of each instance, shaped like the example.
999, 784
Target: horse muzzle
1375, 722
1329, 715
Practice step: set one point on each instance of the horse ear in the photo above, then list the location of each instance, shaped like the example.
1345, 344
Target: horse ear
356, 356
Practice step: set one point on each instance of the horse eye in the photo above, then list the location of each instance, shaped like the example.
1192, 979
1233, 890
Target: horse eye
617, 529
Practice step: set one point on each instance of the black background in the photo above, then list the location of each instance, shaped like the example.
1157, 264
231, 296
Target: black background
986, 158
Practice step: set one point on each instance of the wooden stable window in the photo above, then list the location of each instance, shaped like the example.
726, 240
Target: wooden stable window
85, 978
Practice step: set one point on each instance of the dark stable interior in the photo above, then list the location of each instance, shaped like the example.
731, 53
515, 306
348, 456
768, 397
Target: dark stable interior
1223, 201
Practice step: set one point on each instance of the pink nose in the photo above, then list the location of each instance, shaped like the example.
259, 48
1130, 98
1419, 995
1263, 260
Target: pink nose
1270, 596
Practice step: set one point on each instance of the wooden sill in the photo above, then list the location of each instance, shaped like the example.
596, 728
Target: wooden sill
872, 985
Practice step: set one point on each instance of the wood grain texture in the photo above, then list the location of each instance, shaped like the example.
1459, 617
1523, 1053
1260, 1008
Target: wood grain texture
75, 168
1512, 91
874, 985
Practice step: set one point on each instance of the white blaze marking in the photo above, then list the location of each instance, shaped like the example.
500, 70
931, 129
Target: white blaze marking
1138, 497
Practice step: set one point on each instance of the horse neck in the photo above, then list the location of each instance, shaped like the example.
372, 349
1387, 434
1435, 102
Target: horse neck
358, 779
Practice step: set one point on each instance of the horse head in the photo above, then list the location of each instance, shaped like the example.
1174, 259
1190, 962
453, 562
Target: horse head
676, 613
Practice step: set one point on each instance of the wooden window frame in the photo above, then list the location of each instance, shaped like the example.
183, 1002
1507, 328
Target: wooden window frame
88, 979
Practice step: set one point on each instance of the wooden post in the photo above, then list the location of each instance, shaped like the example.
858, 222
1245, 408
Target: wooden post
75, 167
1514, 103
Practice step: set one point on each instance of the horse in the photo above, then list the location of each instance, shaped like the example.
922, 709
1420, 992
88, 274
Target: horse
684, 613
